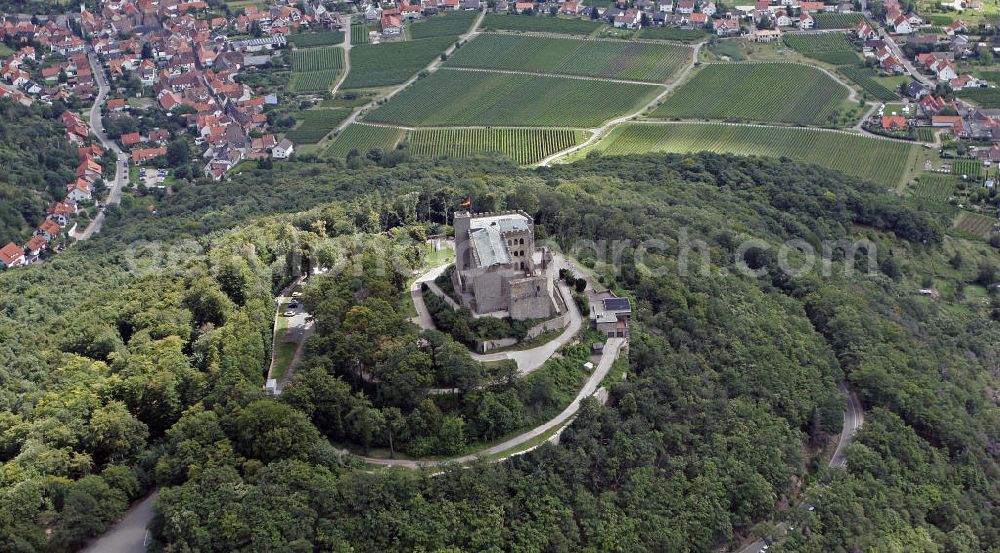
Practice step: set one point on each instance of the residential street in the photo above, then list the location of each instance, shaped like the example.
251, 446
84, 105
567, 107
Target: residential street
110, 147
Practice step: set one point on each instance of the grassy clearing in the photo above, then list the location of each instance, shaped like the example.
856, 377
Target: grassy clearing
878, 160
374, 65
450, 24
363, 138
460, 98
314, 124
523, 146
832, 48
787, 93
623, 60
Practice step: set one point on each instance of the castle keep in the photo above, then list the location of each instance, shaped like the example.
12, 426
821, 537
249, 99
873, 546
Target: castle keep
497, 267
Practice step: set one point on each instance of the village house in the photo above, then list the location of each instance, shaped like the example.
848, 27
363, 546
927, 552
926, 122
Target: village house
283, 150
611, 315
11, 256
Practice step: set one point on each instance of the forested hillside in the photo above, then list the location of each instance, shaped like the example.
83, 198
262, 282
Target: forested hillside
36, 163
136, 361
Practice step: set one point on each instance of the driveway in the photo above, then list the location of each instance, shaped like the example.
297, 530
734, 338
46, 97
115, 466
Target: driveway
528, 360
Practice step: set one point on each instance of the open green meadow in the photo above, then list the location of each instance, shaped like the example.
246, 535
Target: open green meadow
832, 48
934, 187
539, 24
865, 78
938, 19
673, 33
984, 97
974, 224
639, 61
458, 98
447, 24
970, 168
875, 159
374, 65
312, 40
364, 138
314, 124
837, 20
784, 92
523, 146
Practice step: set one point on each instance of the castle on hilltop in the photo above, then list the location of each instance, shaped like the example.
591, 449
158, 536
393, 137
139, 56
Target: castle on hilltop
497, 267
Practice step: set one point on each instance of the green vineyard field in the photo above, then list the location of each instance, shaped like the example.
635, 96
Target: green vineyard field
459, 98
672, 33
935, 187
312, 40
783, 92
837, 20
447, 24
363, 138
359, 34
925, 134
539, 24
640, 61
878, 160
865, 78
967, 167
985, 97
313, 81
314, 124
374, 65
832, 48
524, 146
973, 224
317, 59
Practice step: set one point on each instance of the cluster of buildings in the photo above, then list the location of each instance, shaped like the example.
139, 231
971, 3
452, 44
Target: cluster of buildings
60, 214
57, 69
182, 56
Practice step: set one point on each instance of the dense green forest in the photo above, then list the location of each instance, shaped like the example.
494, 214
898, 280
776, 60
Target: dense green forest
36, 164
136, 361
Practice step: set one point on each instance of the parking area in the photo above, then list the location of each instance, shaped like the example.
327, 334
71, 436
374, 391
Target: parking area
152, 177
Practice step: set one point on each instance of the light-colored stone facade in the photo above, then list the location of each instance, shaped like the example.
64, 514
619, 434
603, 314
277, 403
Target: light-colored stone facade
498, 268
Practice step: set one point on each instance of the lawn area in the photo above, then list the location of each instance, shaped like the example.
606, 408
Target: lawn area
878, 160
314, 124
540, 24
832, 48
453, 98
312, 40
363, 138
451, 24
782, 92
524, 146
5, 50
593, 58
374, 65
283, 355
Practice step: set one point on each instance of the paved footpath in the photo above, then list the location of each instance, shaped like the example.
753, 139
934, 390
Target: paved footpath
128, 535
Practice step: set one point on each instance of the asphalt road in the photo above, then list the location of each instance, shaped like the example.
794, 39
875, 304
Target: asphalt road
854, 417
97, 127
128, 535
